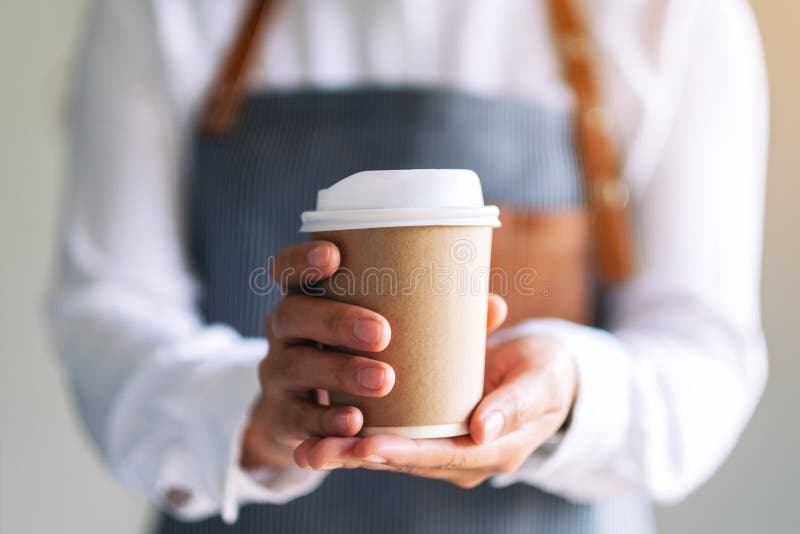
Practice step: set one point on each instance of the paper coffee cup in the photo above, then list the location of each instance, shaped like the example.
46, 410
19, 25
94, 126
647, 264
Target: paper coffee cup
415, 247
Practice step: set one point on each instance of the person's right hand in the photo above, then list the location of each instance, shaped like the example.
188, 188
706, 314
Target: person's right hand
287, 411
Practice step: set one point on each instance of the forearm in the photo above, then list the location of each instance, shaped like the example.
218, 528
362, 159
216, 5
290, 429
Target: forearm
165, 400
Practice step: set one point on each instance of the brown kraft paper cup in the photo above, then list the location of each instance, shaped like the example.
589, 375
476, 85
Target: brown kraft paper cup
431, 284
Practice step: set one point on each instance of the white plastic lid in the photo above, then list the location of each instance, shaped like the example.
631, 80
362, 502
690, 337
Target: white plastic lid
417, 197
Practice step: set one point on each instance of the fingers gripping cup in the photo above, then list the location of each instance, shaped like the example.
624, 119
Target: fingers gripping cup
415, 247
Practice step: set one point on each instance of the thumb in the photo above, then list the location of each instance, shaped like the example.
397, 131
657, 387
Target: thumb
512, 404
498, 310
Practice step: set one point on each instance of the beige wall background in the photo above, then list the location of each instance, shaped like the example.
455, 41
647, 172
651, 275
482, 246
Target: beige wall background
50, 479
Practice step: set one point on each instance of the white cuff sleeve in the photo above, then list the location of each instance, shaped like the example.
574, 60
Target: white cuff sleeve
176, 424
266, 484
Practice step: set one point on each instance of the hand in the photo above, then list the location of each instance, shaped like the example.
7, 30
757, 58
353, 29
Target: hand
530, 386
287, 411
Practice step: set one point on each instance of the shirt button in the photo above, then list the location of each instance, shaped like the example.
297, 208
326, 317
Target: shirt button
177, 498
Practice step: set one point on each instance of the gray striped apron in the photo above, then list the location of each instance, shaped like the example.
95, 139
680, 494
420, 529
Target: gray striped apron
245, 194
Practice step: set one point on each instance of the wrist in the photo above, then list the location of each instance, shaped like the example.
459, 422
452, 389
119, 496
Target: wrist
259, 448
567, 381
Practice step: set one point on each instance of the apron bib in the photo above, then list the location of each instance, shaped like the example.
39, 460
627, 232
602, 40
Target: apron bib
246, 191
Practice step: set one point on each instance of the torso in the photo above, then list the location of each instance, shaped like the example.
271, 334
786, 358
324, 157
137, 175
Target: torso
247, 189
245, 195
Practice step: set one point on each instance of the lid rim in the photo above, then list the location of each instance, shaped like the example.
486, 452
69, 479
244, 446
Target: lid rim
319, 221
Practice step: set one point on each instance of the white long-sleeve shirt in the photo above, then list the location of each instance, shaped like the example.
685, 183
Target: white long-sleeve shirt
663, 395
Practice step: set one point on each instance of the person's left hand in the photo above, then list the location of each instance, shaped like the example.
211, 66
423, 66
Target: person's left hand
531, 383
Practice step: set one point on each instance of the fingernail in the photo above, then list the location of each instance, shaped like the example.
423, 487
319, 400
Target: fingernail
368, 330
492, 426
340, 422
375, 459
319, 256
370, 377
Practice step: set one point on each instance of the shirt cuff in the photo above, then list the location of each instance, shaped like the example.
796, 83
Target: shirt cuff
268, 485
276, 485
600, 415
214, 405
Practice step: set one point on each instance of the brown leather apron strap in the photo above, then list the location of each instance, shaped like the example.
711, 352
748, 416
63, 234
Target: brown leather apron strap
225, 95
607, 192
